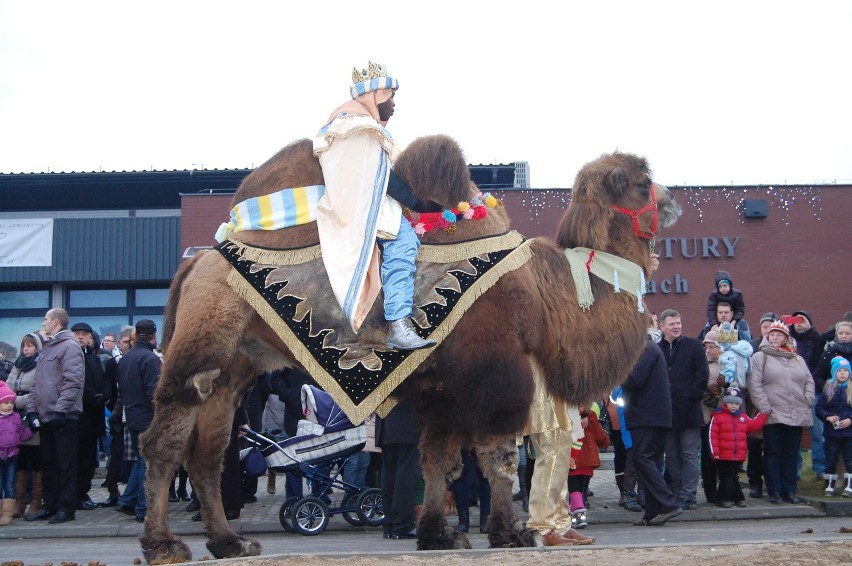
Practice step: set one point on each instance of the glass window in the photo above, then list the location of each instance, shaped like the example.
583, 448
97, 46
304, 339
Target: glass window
151, 297
39, 299
96, 298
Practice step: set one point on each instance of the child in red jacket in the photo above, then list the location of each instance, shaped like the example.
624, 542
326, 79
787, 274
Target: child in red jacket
586, 461
729, 427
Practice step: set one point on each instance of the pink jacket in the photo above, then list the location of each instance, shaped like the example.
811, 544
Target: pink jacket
13, 431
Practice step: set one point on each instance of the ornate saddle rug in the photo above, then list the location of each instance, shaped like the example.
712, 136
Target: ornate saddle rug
289, 289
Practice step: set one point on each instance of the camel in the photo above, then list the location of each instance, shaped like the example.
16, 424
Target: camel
473, 390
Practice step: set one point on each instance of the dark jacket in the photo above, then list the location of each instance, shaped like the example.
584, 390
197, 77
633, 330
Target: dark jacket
138, 374
647, 397
688, 373
58, 390
809, 344
837, 405
398, 427
822, 373
96, 394
287, 384
734, 297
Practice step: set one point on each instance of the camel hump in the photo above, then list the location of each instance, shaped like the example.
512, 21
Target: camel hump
293, 166
436, 170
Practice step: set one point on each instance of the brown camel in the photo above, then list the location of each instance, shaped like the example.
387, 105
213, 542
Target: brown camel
473, 390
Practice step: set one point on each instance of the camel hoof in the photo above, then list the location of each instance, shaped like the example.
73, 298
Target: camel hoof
165, 551
446, 540
234, 547
517, 538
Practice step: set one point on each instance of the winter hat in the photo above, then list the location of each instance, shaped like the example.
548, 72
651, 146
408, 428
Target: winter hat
723, 276
780, 327
82, 326
733, 395
36, 339
768, 317
6, 394
710, 338
838, 363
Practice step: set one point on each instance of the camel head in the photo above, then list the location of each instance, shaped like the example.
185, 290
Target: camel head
436, 170
616, 206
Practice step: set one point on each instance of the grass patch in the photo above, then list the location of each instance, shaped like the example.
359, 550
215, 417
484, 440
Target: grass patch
812, 487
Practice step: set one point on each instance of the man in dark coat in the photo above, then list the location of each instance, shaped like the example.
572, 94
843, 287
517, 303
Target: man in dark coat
398, 437
688, 373
92, 423
648, 416
287, 384
809, 345
138, 374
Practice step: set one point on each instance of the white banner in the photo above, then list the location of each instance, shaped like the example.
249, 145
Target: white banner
26, 242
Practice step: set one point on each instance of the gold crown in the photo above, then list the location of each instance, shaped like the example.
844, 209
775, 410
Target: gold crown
726, 333
372, 71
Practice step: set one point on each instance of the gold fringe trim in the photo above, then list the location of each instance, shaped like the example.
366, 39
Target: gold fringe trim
277, 257
451, 253
380, 396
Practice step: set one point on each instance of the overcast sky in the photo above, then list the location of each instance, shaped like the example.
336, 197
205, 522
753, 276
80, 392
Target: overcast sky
710, 92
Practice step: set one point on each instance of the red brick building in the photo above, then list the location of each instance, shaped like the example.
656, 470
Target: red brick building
797, 257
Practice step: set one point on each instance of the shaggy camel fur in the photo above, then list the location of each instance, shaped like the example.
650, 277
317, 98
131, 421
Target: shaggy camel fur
473, 391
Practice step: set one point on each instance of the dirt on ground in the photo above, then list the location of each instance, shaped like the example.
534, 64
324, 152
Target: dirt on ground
787, 554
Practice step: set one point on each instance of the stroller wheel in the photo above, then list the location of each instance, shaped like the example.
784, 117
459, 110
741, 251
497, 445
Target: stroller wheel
369, 507
350, 510
284, 515
310, 516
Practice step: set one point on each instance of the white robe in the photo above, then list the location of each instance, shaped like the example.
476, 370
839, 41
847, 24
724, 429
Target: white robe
356, 155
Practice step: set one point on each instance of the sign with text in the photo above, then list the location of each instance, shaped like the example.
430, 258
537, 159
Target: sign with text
26, 242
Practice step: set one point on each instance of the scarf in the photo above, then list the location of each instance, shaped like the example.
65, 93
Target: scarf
25, 364
617, 271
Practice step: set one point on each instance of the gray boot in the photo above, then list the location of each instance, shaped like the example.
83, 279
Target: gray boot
403, 336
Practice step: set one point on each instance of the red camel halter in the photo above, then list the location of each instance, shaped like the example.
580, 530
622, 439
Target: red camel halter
635, 214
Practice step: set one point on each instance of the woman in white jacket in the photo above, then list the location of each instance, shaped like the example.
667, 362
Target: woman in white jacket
781, 386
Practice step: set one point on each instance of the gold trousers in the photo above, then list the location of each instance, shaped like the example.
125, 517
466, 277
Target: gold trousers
549, 490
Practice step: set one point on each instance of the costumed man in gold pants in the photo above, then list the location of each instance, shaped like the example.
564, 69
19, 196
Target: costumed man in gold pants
550, 430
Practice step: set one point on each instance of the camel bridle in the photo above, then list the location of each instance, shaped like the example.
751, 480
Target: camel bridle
635, 214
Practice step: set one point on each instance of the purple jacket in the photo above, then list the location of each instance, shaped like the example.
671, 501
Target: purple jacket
13, 431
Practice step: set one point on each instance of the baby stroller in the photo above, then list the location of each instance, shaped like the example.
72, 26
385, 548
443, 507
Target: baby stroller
325, 436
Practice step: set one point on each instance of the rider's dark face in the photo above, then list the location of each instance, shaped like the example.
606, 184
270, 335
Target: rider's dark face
386, 109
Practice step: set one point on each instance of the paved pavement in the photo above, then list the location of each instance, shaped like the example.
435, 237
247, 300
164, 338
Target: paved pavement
262, 516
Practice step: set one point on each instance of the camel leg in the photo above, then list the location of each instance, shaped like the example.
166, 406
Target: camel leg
213, 431
498, 460
441, 461
172, 427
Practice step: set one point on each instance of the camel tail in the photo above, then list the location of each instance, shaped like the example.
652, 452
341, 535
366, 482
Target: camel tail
170, 313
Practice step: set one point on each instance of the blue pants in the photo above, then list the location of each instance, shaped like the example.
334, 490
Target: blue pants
134, 493
397, 271
8, 467
818, 455
355, 469
781, 445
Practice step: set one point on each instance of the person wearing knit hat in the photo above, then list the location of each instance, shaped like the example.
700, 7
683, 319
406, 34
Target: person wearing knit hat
724, 291
729, 428
362, 206
834, 408
781, 386
13, 431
